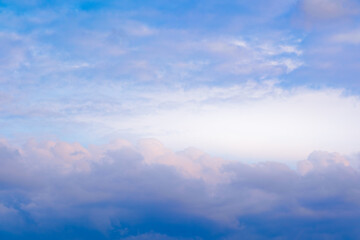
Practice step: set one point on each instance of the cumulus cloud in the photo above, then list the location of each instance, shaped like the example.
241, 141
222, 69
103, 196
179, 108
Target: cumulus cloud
322, 160
147, 191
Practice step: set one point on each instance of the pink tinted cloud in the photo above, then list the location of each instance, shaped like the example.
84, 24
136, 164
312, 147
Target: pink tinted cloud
102, 186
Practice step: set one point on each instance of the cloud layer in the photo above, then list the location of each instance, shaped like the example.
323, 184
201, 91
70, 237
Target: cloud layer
62, 190
254, 75
250, 80
286, 124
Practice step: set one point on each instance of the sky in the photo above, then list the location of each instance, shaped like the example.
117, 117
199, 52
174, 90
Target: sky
179, 119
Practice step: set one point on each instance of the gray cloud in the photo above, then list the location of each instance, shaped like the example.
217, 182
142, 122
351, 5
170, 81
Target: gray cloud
147, 191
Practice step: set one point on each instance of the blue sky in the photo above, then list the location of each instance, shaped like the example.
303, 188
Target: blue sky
265, 86
90, 71
95, 71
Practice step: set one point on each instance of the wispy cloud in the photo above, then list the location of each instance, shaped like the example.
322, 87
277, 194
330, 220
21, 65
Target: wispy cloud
329, 9
285, 123
352, 37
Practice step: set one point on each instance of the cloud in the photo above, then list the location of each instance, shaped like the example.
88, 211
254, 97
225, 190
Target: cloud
112, 46
329, 9
146, 191
352, 37
322, 160
265, 58
14, 51
243, 117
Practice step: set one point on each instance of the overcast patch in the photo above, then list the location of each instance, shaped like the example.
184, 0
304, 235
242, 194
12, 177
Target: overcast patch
149, 192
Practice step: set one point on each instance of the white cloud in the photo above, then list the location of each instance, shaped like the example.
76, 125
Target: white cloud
239, 120
232, 121
256, 56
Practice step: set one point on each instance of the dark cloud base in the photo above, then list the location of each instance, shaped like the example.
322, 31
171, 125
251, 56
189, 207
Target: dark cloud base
57, 190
